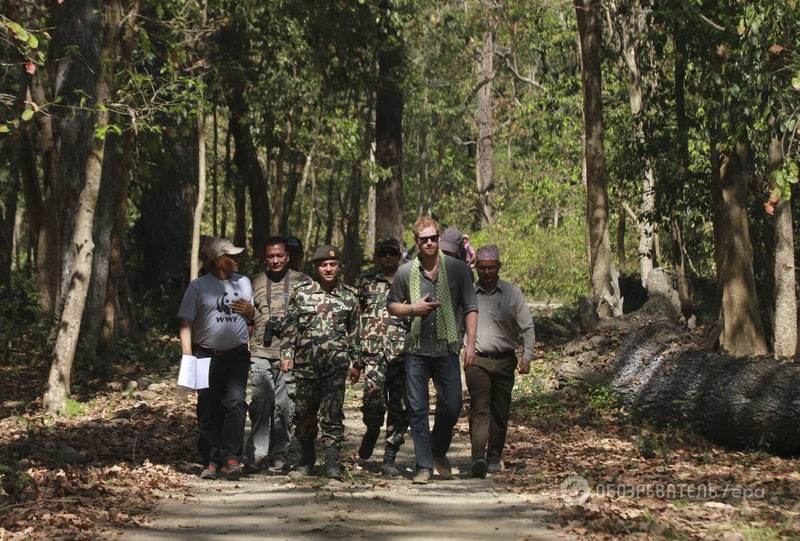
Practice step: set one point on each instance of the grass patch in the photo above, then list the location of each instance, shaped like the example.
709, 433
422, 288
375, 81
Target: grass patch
74, 408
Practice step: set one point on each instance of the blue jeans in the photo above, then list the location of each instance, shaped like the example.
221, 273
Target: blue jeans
446, 375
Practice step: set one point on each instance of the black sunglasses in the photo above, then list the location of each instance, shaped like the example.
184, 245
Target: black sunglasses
432, 238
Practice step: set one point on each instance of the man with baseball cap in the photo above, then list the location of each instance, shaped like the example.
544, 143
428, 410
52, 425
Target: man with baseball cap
321, 333
214, 317
503, 322
382, 340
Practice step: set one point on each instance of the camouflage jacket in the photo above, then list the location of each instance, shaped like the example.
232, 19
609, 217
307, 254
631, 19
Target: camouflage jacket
380, 333
321, 327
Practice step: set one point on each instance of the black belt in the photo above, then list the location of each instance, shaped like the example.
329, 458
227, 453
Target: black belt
217, 352
500, 355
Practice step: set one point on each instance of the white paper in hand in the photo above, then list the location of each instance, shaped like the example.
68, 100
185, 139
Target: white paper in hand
187, 376
203, 367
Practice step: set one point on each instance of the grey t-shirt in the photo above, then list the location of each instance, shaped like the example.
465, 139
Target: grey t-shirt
459, 277
207, 304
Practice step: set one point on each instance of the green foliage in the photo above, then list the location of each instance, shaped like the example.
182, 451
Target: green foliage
547, 263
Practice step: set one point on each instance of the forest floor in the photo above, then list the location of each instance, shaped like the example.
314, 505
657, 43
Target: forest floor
577, 466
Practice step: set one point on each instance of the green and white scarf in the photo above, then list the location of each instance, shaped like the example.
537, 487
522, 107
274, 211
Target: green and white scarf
446, 329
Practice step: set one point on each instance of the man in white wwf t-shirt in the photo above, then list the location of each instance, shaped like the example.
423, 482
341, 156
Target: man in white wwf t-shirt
214, 314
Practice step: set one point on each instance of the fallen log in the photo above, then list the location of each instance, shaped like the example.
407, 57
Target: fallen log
667, 375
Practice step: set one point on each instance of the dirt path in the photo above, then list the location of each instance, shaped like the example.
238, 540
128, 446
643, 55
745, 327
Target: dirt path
366, 506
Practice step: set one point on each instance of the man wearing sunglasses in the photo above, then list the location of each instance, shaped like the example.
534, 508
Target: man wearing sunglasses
382, 337
435, 291
504, 322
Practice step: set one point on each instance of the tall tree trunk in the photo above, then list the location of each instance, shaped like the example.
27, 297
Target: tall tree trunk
313, 210
8, 221
682, 149
389, 136
101, 236
197, 217
353, 254
58, 384
215, 176
117, 310
293, 180
621, 241
742, 332
632, 42
485, 149
302, 188
278, 191
785, 320
234, 42
43, 226
330, 218
588, 17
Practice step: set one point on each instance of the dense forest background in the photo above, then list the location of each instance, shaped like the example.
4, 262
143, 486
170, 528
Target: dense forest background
585, 138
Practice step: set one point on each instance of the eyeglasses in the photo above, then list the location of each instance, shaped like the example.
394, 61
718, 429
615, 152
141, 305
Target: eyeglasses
431, 238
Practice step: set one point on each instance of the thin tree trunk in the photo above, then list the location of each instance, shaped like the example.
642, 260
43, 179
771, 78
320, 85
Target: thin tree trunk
278, 191
58, 384
589, 29
8, 222
215, 176
197, 219
330, 219
389, 136
621, 241
742, 332
229, 180
785, 320
313, 211
682, 147
353, 254
485, 148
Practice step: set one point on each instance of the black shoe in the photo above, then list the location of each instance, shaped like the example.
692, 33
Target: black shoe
368, 443
494, 467
479, 468
389, 468
333, 470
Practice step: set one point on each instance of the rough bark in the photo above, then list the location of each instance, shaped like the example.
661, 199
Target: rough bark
784, 341
484, 167
632, 42
589, 29
742, 333
278, 190
667, 376
68, 327
353, 255
389, 102
102, 226
292, 181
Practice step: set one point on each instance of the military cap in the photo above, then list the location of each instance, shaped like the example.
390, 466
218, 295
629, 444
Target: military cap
387, 245
325, 251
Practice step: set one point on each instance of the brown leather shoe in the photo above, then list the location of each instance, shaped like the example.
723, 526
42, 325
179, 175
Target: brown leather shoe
443, 467
422, 477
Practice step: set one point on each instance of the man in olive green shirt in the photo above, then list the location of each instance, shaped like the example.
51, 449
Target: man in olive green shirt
503, 321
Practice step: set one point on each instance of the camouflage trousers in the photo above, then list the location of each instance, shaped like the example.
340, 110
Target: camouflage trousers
319, 402
385, 391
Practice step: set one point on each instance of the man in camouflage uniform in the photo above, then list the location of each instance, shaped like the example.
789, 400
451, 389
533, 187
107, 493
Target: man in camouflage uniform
382, 339
321, 331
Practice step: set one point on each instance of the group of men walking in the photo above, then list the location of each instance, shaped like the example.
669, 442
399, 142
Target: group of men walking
400, 327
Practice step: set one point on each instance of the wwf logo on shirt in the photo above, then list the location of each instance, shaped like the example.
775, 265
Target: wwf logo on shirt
224, 302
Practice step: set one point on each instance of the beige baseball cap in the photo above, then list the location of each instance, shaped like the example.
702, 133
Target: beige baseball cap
218, 247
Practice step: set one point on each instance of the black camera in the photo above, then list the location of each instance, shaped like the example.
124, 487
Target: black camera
273, 330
